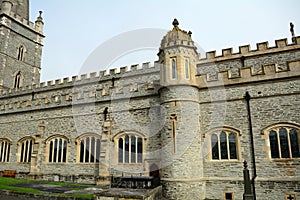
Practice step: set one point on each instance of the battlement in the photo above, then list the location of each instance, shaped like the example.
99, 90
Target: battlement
94, 77
85, 88
261, 48
248, 75
21, 20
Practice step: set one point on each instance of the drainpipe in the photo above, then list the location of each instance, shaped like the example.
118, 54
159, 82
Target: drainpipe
247, 97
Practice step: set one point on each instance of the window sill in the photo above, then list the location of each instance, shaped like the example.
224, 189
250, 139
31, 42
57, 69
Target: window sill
284, 159
130, 164
225, 160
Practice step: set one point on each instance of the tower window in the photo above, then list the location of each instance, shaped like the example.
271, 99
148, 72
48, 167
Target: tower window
18, 80
21, 53
174, 69
187, 69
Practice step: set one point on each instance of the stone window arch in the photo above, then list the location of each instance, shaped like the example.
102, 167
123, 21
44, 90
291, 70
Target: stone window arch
57, 149
283, 140
173, 68
21, 53
18, 79
224, 143
129, 147
25, 148
88, 148
187, 68
5, 146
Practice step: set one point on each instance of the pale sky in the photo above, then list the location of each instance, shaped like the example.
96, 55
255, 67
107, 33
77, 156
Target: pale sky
74, 29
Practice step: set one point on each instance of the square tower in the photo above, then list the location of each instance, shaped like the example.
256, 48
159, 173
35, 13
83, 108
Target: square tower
21, 43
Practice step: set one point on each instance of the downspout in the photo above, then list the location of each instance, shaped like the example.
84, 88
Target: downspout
247, 97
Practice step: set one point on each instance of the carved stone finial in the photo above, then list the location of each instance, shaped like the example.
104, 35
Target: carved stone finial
292, 29
175, 23
40, 18
190, 33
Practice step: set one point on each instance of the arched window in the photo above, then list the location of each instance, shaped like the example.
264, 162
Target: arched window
25, 150
21, 51
89, 148
284, 141
187, 68
224, 144
18, 80
57, 149
130, 148
5, 146
174, 69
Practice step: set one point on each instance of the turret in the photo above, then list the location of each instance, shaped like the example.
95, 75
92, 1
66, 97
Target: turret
178, 56
20, 57
6, 7
21, 8
182, 165
39, 24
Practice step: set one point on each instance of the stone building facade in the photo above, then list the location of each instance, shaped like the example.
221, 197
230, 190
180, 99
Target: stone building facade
184, 118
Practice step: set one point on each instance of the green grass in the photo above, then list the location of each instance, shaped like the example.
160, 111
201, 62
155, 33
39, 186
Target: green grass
5, 184
11, 185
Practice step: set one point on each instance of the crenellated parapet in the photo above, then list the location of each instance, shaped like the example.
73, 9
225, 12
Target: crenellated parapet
95, 87
6, 10
263, 63
247, 75
246, 51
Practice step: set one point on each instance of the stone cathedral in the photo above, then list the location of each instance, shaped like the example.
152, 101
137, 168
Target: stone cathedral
189, 119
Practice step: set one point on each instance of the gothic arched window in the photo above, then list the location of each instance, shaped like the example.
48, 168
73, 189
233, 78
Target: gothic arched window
57, 149
130, 148
174, 69
21, 51
18, 80
187, 68
5, 146
25, 150
224, 144
284, 141
89, 148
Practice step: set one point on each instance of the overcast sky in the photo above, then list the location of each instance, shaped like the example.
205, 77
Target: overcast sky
75, 28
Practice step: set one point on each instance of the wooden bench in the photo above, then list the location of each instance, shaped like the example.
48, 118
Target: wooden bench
9, 173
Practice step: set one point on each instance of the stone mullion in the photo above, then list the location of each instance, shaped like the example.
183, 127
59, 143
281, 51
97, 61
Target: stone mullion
219, 146
289, 142
53, 147
129, 151
5, 151
90, 148
124, 149
30, 149
62, 150
227, 144
95, 148
1, 151
279, 145
136, 149
84, 150
27, 151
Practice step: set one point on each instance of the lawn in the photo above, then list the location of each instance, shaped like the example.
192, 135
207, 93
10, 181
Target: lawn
17, 185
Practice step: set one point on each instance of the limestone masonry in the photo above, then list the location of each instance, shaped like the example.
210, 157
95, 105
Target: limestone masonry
183, 118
